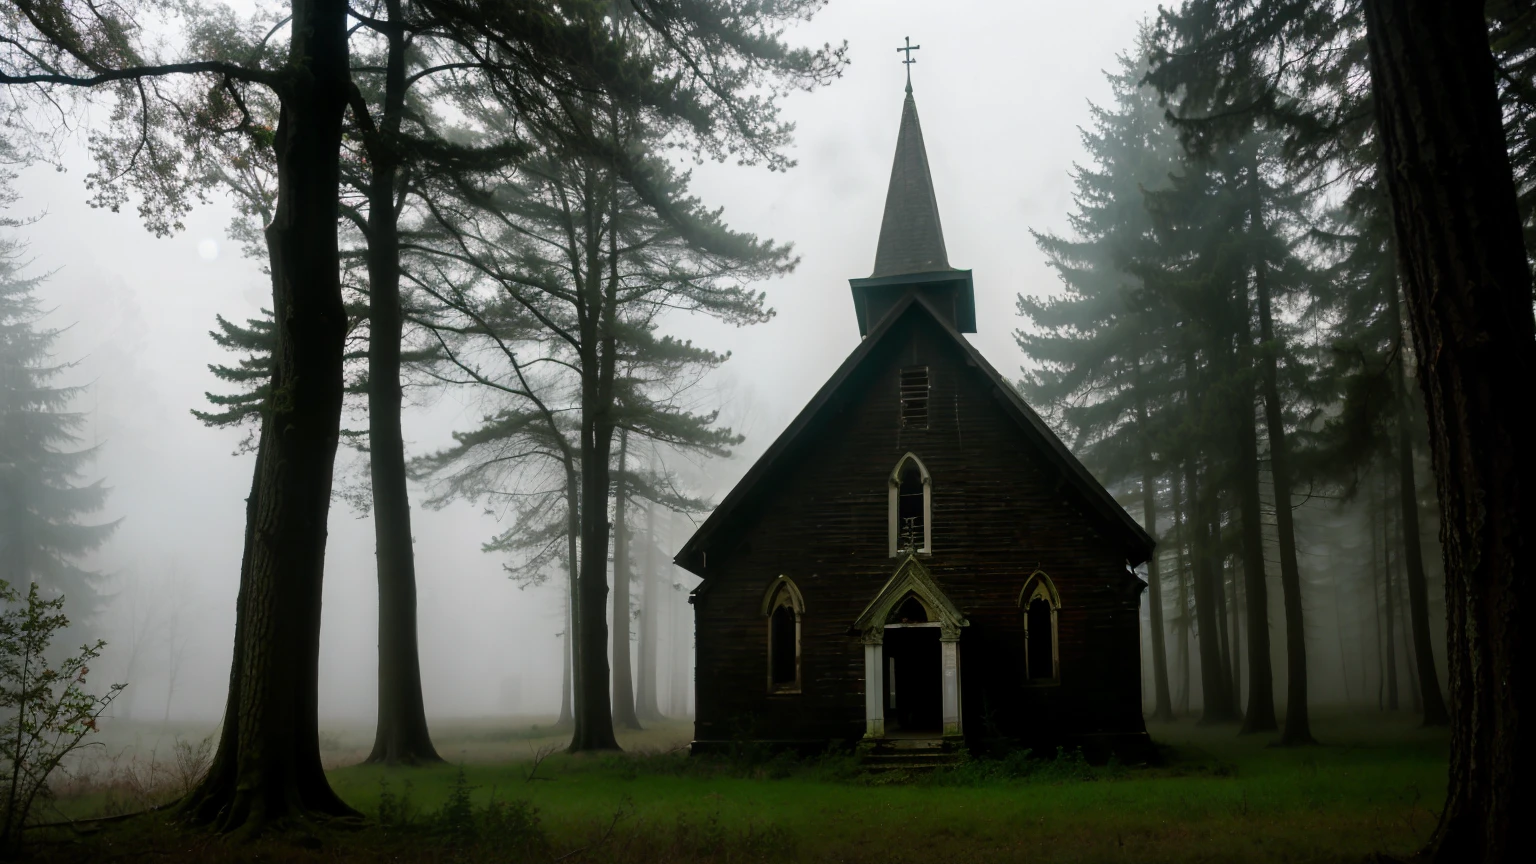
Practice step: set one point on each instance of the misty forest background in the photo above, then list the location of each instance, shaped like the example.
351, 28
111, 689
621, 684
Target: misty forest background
1215, 328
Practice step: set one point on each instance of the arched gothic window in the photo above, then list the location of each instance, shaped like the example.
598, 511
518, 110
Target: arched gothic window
910, 521
783, 607
1040, 603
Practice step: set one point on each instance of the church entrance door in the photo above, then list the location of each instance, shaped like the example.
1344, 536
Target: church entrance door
911, 636
914, 699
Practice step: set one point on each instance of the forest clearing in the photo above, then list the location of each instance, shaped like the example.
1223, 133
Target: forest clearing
568, 430
1375, 785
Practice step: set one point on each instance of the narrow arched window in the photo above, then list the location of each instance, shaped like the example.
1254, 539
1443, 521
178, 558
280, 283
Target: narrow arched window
783, 607
910, 507
1037, 629
1042, 656
781, 630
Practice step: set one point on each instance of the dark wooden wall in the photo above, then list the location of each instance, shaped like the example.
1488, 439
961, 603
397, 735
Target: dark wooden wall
1000, 510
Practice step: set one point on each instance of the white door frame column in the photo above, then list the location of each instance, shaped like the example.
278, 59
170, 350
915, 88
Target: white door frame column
949, 646
874, 685
911, 580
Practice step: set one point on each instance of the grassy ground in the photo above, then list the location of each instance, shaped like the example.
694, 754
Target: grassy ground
1374, 786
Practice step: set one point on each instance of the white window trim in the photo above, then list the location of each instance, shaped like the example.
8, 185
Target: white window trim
893, 506
783, 592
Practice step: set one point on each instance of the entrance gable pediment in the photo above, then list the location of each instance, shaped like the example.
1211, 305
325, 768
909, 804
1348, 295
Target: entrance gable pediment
910, 578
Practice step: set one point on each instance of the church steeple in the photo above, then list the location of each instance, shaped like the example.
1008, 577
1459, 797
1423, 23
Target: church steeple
911, 239
910, 256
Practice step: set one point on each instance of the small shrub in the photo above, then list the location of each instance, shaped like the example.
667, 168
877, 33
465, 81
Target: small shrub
976, 772
45, 711
634, 764
1018, 764
837, 765
190, 762
456, 820
780, 766
1068, 766
514, 829
395, 811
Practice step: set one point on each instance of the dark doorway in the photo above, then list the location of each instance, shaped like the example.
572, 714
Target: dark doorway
914, 700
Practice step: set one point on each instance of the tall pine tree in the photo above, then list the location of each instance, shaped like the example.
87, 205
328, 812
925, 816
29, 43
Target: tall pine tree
1100, 369
43, 490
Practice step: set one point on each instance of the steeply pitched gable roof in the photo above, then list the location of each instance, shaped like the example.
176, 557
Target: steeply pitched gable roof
911, 239
1138, 543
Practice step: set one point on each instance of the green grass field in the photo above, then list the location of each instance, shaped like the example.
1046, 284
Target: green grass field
1373, 786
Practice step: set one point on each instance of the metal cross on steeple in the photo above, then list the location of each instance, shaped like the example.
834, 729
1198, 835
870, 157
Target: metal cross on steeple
909, 61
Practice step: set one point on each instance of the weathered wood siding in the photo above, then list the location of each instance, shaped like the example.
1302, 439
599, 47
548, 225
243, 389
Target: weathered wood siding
1000, 510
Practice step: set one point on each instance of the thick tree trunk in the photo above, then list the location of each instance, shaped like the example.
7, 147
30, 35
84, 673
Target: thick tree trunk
1338, 630
1184, 666
1215, 695
401, 734
573, 595
203, 804
1164, 705
1235, 619
1223, 616
1298, 726
1408, 495
598, 333
1163, 709
1237, 641
268, 767
682, 644
1378, 566
1414, 700
1260, 716
563, 720
623, 681
1367, 614
1468, 289
594, 710
1388, 613
646, 707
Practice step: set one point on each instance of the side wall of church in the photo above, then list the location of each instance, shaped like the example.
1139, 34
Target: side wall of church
1000, 511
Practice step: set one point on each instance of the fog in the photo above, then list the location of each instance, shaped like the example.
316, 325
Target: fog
1002, 91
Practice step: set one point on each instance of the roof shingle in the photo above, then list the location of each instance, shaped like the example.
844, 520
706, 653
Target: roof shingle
911, 239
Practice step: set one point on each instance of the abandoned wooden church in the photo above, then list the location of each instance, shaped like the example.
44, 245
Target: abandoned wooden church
917, 556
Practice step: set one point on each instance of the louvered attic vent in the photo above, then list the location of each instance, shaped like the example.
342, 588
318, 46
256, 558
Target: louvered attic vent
914, 397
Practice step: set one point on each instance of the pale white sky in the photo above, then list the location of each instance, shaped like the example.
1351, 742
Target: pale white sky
1001, 89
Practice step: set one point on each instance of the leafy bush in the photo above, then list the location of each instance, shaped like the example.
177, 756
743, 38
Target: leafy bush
45, 711
836, 765
504, 829
456, 820
515, 829
189, 763
395, 811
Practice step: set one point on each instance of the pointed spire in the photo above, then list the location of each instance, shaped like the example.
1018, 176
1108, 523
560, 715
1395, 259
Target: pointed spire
911, 240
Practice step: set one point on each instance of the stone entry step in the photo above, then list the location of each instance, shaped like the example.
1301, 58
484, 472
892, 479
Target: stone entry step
914, 743
909, 754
